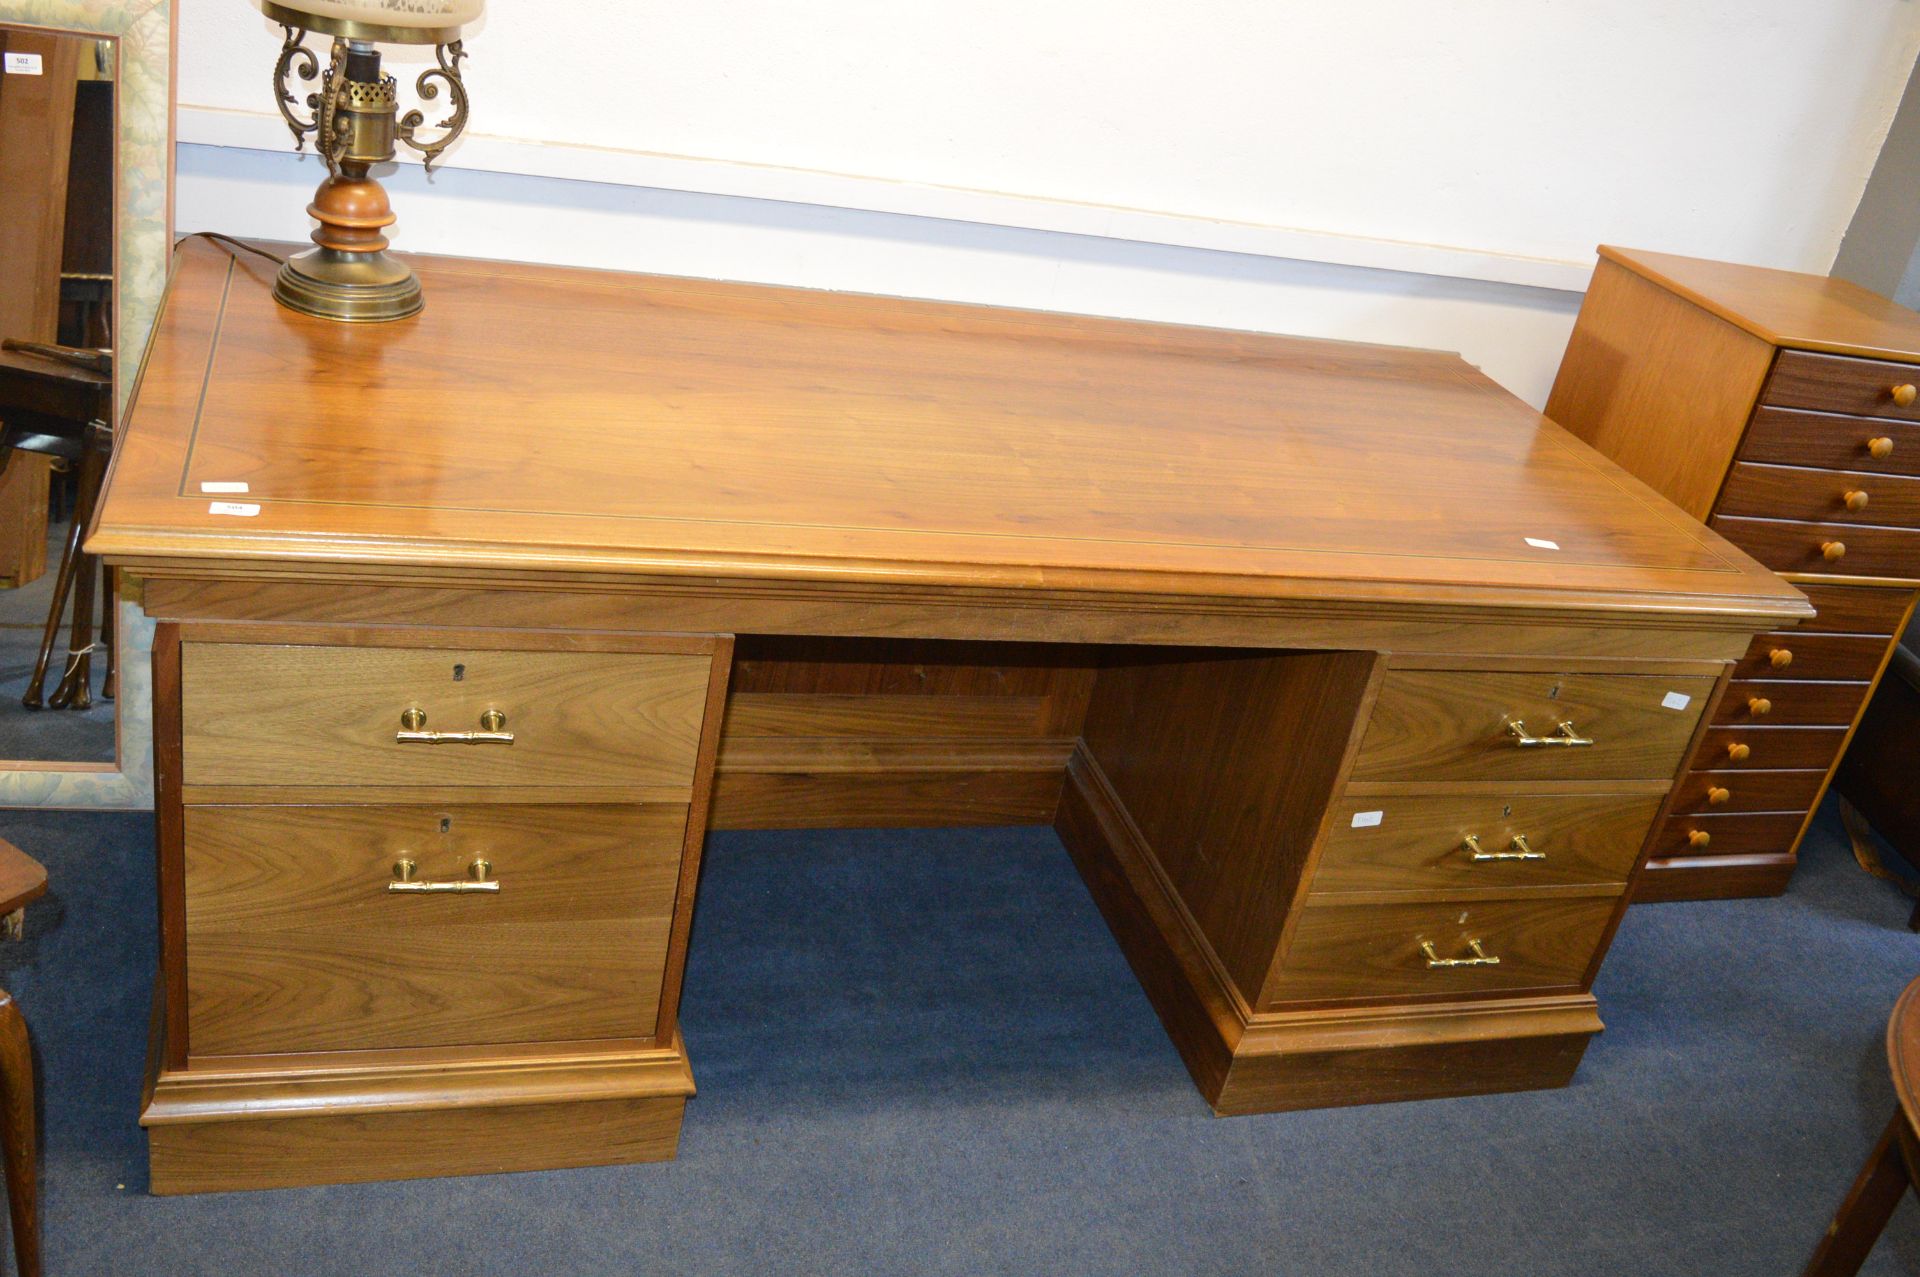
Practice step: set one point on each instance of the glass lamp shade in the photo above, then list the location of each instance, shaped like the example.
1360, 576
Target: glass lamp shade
380, 21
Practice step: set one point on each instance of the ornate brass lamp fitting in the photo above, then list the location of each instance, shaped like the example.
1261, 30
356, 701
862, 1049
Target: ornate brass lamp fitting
353, 118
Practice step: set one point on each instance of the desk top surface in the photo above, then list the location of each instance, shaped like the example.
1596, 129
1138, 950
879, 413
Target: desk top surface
577, 421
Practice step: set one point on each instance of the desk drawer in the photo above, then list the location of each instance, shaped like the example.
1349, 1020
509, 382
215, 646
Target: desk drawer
1833, 549
1820, 496
1874, 445
1826, 658
1784, 704
295, 943
1701, 793
1749, 749
1374, 951
284, 715
1420, 842
1842, 383
1459, 725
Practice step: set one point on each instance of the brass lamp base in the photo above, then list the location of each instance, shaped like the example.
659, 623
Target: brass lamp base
353, 287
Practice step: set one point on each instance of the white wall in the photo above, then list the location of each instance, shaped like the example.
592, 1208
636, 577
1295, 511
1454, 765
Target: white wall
1383, 170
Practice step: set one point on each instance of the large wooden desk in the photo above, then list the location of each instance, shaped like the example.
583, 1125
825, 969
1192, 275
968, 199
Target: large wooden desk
1255, 623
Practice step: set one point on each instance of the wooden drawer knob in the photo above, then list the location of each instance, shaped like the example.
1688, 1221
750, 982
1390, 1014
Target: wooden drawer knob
1856, 500
1759, 706
1738, 751
1716, 796
1698, 838
1903, 395
1780, 657
1880, 448
1833, 551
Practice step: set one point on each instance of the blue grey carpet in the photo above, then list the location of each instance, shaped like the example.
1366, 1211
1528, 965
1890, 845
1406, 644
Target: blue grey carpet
920, 1052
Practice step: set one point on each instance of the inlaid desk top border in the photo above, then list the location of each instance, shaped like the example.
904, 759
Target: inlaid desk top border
150, 521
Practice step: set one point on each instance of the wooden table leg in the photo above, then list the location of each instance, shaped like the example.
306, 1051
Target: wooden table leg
18, 1139
62, 586
75, 689
1864, 1214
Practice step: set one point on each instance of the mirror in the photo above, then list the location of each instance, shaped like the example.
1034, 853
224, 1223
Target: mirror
57, 684
85, 206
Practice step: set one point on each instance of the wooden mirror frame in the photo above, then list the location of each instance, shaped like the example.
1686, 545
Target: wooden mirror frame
142, 32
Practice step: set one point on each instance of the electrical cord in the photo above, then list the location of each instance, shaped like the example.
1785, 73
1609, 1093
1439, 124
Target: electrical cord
231, 242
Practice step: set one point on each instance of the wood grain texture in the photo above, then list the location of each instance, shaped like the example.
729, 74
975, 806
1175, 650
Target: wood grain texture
1855, 609
1419, 842
1310, 1059
1784, 308
756, 433
1836, 383
1791, 791
1769, 748
1821, 496
264, 714
1227, 763
1823, 657
1453, 725
217, 1157
295, 944
887, 798
1728, 834
19, 1137
1783, 436
1889, 554
1658, 384
1373, 951
1781, 703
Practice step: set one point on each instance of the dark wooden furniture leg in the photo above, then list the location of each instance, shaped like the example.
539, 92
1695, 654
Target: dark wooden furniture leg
1864, 1214
109, 616
75, 689
62, 586
18, 1138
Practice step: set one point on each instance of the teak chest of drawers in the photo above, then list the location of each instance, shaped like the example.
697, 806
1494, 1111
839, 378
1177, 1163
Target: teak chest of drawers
1781, 409
1352, 686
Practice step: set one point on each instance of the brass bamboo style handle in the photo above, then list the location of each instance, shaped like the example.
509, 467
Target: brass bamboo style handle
1563, 734
1480, 958
413, 721
1903, 395
479, 878
1521, 851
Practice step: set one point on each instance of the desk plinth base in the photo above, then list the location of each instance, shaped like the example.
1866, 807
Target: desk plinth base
1316, 1058
214, 1130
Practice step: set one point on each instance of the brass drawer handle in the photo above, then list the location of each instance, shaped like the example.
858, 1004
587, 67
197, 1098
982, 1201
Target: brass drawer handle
1880, 448
479, 878
1903, 395
1563, 734
1759, 706
1855, 499
1480, 958
414, 720
1698, 838
1521, 851
1833, 551
1780, 657
1716, 796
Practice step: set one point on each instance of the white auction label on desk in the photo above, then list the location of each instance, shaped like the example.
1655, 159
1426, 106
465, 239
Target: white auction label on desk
1367, 819
207, 486
1676, 700
1541, 543
23, 64
244, 509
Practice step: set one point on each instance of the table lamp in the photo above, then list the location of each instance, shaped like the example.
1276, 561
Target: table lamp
354, 119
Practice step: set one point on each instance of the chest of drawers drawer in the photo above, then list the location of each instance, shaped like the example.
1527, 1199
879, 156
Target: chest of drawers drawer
297, 941
1834, 549
1821, 496
1701, 792
1856, 609
1843, 383
258, 714
1788, 704
1731, 834
1869, 445
1457, 843
1442, 949
1747, 748
1501, 725
1826, 658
